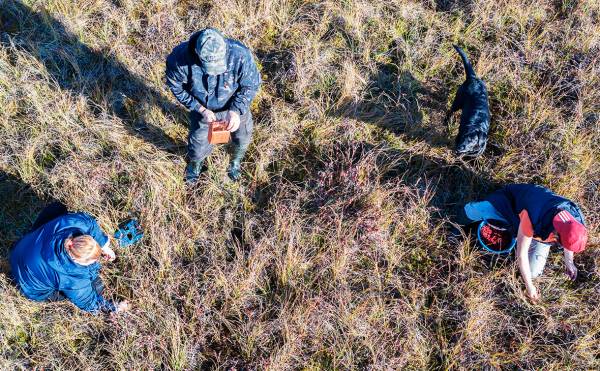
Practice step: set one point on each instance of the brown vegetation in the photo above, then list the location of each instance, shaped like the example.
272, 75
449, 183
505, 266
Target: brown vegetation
334, 251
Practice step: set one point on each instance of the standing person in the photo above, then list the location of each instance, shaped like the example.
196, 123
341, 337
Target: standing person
538, 218
215, 78
59, 259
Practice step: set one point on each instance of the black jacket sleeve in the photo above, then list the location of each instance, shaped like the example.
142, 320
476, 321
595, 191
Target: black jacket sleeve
177, 77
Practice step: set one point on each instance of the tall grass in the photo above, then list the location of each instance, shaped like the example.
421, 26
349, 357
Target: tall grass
336, 250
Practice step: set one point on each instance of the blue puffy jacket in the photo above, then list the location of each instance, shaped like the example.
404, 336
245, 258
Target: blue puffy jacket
41, 265
232, 90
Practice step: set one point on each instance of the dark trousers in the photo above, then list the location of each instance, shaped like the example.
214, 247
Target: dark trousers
198, 146
97, 284
50, 212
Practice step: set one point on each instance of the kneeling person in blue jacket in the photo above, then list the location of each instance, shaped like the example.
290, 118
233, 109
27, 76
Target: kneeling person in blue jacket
215, 78
59, 260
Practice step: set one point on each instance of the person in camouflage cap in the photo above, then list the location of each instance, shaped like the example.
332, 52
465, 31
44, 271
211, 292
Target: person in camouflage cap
215, 78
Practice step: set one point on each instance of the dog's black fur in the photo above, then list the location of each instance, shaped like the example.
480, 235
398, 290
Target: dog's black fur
472, 98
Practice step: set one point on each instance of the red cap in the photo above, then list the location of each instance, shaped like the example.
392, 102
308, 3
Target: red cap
572, 234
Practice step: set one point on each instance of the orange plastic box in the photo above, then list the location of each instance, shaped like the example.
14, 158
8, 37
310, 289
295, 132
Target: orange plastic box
218, 133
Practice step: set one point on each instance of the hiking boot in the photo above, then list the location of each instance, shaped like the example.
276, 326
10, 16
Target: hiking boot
234, 171
193, 171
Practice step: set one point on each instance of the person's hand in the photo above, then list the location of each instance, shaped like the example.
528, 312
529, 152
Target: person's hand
123, 306
233, 119
533, 293
571, 271
108, 254
208, 115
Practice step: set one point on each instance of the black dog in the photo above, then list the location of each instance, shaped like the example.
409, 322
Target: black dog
472, 98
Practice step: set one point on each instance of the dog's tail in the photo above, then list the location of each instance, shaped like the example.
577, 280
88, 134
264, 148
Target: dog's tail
468, 68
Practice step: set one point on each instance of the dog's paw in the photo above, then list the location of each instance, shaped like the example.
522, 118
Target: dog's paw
472, 144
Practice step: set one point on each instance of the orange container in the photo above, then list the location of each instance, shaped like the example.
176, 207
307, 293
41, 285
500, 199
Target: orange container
218, 133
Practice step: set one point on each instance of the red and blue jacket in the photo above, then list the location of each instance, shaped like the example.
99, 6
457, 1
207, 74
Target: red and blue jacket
533, 205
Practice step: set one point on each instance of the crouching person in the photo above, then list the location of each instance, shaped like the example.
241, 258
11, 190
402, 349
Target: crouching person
538, 219
59, 259
216, 79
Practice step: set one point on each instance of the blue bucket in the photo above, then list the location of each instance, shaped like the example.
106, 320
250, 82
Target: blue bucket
489, 249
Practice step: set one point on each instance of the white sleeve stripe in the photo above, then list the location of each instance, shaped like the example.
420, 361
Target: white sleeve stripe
564, 216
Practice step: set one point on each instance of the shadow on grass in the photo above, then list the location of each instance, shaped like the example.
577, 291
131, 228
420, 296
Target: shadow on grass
19, 208
322, 172
280, 68
393, 101
95, 74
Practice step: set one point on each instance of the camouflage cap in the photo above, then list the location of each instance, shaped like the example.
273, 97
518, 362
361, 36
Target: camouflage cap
212, 51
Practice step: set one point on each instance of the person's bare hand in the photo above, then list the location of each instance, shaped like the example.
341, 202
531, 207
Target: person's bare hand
108, 254
571, 271
208, 115
123, 306
233, 120
533, 293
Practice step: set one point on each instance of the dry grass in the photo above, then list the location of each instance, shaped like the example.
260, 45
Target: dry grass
334, 251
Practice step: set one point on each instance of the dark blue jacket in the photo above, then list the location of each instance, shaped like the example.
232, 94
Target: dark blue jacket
541, 205
232, 90
41, 265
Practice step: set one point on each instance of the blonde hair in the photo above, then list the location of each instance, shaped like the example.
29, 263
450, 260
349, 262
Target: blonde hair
84, 248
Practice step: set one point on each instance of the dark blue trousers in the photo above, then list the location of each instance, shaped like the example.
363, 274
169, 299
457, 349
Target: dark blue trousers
198, 146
